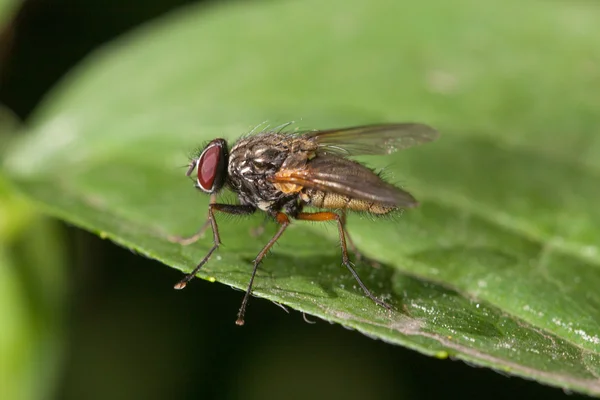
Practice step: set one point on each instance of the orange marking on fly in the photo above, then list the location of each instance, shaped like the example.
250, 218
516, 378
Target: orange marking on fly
281, 181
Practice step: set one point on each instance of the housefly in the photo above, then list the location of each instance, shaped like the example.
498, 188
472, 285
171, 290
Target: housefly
281, 173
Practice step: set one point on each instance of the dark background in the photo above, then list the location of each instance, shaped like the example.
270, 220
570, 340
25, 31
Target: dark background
130, 335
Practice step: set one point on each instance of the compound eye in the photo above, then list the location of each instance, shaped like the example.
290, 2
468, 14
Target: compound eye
208, 167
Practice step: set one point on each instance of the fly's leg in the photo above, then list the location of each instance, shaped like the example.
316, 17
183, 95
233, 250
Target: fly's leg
184, 241
357, 253
283, 221
225, 208
258, 230
331, 216
348, 238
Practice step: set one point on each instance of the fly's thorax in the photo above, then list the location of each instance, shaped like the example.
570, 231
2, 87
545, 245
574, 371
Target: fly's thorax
335, 201
254, 159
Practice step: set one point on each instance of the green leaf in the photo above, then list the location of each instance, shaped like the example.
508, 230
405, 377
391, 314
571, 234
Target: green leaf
32, 294
500, 265
6, 8
31, 339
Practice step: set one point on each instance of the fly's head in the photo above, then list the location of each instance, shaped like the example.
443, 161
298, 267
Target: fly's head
211, 166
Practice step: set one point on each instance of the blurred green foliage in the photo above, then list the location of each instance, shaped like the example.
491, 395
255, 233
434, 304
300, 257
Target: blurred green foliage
500, 265
6, 8
32, 295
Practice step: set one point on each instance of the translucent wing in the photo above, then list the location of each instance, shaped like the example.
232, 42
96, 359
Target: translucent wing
372, 139
346, 177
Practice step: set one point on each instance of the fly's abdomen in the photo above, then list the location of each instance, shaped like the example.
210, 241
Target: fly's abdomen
330, 200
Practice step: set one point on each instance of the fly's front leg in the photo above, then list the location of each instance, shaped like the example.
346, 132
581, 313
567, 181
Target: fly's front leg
184, 241
258, 230
225, 208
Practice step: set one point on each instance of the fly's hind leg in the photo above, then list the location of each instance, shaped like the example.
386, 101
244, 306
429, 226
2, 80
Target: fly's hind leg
331, 216
359, 256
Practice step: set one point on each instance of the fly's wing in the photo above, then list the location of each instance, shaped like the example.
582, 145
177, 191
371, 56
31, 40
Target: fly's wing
371, 139
345, 177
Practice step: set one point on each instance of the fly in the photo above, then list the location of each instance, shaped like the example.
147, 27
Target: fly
281, 173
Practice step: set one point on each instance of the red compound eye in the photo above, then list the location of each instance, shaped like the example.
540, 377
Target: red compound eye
208, 167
